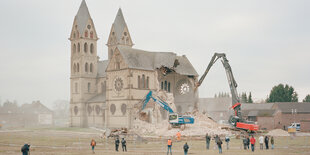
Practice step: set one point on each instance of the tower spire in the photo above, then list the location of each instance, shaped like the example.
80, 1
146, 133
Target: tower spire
82, 17
119, 24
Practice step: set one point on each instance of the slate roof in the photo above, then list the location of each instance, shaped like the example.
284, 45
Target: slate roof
140, 59
102, 66
119, 24
100, 98
256, 106
286, 107
261, 113
82, 17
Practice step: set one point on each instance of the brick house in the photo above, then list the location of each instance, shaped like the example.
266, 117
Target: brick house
289, 112
278, 115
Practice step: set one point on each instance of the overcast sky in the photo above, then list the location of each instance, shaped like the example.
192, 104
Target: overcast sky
267, 42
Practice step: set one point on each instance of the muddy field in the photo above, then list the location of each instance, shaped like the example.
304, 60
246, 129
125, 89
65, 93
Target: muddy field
76, 141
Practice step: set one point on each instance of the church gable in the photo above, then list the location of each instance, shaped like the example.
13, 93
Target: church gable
117, 62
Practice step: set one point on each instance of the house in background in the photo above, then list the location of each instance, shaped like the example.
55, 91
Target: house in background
34, 114
290, 112
217, 108
278, 115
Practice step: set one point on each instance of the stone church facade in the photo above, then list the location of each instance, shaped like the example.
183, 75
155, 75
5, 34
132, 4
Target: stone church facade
103, 93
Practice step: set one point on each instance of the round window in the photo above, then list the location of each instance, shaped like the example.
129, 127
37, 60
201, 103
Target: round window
88, 26
112, 108
76, 110
123, 108
183, 86
125, 33
118, 84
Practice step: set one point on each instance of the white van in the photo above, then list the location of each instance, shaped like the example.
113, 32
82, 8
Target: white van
295, 125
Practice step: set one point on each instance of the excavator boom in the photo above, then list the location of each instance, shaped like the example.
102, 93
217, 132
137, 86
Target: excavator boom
236, 120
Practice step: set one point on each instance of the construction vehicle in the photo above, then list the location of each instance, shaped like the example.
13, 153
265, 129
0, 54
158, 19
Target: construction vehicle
175, 120
236, 120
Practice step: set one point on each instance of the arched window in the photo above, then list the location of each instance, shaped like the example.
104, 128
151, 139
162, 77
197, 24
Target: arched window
79, 47
86, 34
76, 87
88, 87
139, 80
143, 81
74, 48
91, 48
86, 67
162, 85
78, 67
124, 108
103, 87
91, 67
112, 108
147, 82
169, 87
85, 47
166, 85
91, 34
74, 68
74, 35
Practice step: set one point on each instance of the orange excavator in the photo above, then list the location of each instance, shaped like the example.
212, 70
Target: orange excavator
236, 120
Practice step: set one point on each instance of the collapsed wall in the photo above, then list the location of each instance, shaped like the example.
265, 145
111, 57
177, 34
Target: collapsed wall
150, 122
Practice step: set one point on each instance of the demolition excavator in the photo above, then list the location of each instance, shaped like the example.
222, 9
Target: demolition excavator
175, 120
236, 119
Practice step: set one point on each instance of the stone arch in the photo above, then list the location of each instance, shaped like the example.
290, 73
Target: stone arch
74, 68
86, 67
74, 48
86, 34
91, 67
112, 109
91, 48
124, 108
85, 47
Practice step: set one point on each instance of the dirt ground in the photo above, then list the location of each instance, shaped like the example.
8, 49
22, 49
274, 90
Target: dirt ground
76, 141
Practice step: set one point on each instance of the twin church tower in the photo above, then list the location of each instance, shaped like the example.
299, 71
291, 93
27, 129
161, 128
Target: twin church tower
103, 93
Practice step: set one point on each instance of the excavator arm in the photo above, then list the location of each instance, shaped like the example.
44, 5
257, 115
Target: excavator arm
232, 84
230, 77
236, 120
164, 105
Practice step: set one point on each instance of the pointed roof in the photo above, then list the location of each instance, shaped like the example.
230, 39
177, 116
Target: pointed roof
140, 59
82, 17
119, 24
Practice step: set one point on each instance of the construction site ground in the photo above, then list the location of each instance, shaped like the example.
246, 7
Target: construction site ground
76, 141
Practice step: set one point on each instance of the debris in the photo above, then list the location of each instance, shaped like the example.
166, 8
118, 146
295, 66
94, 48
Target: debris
278, 132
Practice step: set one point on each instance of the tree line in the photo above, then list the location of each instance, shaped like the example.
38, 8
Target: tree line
278, 93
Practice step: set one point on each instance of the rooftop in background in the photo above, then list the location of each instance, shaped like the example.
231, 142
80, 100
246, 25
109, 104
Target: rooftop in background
286, 107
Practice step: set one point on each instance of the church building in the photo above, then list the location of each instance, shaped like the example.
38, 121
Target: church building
104, 92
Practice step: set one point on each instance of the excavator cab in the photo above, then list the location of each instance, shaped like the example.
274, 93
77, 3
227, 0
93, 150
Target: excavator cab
173, 118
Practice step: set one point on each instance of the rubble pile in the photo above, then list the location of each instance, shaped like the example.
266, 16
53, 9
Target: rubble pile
278, 132
149, 121
202, 125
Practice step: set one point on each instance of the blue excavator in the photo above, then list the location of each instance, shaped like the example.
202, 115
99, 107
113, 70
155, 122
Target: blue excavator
175, 120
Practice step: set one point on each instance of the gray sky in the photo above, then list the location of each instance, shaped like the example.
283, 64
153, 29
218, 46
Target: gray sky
267, 42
